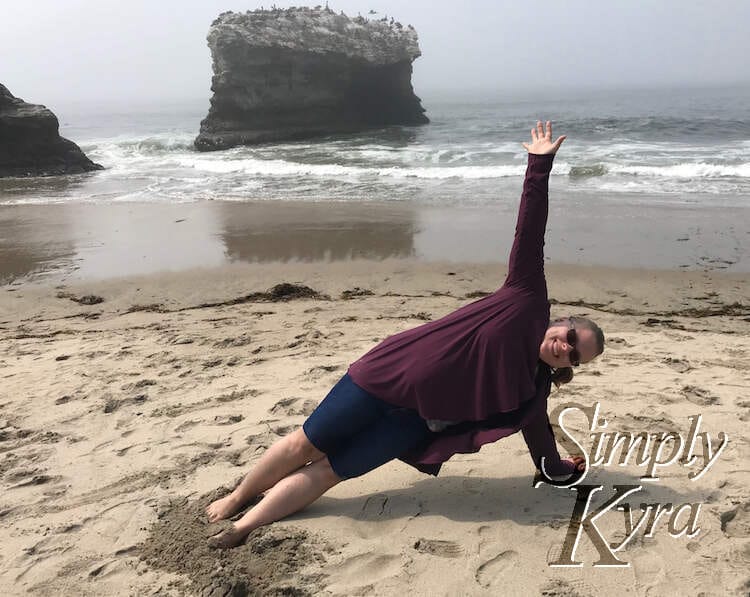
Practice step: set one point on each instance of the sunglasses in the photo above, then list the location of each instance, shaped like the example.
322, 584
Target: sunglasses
572, 339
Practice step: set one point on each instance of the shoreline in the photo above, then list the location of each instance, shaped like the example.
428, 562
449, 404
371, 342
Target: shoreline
628, 291
84, 242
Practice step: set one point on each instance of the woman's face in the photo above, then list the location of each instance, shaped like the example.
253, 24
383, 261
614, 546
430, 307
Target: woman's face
556, 351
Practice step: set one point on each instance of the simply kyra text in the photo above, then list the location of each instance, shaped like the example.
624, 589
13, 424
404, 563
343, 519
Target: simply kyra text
652, 451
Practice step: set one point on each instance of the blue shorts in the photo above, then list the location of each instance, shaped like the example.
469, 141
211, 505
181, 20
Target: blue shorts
359, 432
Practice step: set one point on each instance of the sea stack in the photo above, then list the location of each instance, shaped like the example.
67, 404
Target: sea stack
294, 73
30, 144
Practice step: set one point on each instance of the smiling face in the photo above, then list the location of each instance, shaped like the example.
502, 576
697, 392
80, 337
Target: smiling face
555, 350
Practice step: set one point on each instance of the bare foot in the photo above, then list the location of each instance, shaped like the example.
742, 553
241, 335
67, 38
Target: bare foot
228, 539
223, 508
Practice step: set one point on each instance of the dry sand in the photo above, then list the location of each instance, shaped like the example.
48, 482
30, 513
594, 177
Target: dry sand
118, 419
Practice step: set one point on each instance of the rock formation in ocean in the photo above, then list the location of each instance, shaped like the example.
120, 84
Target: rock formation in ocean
303, 72
30, 144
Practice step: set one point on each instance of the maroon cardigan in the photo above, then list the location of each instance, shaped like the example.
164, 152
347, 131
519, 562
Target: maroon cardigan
480, 364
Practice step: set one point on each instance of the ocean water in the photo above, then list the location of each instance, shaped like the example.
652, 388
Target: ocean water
653, 179
658, 147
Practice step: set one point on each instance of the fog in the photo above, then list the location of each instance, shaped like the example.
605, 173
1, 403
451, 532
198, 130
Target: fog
153, 53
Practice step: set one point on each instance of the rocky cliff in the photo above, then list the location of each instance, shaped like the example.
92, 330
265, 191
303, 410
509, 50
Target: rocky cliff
30, 144
302, 72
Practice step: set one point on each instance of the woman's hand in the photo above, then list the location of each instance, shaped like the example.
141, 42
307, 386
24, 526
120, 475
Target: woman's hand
578, 462
541, 140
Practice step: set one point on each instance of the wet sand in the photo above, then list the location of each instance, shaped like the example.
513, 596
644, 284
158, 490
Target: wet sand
78, 242
126, 402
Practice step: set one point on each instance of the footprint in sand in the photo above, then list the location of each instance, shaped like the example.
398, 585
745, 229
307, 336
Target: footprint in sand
493, 571
234, 342
659, 422
373, 508
495, 561
393, 514
143, 383
616, 342
736, 522
487, 536
740, 554
260, 441
30, 478
367, 567
228, 419
473, 485
561, 588
649, 575
282, 430
698, 396
437, 547
321, 371
294, 406
679, 365
187, 425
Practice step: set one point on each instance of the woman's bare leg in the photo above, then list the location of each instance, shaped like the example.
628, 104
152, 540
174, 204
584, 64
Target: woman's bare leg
289, 495
284, 457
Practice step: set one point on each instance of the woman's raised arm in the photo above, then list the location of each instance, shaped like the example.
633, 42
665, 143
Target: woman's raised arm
526, 261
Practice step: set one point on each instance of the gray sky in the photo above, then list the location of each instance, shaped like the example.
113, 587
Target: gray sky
154, 51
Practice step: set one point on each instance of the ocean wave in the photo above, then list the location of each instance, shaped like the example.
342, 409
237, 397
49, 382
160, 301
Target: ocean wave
688, 170
258, 167
726, 192
160, 145
140, 146
466, 172
273, 168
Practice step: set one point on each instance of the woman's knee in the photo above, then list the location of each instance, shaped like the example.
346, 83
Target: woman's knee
324, 469
302, 447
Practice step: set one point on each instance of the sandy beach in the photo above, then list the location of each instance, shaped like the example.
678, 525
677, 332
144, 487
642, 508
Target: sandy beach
209, 211
127, 403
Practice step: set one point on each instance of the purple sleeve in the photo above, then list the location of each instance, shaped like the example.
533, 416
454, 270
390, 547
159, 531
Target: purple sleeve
526, 262
540, 440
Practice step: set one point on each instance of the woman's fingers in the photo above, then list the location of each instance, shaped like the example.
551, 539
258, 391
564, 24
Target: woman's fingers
580, 462
541, 139
559, 142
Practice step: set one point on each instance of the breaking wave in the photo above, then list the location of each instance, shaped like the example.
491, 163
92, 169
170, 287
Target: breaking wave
469, 154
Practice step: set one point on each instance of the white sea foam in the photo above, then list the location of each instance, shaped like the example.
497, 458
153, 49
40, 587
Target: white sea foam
273, 168
468, 155
466, 172
258, 167
687, 171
